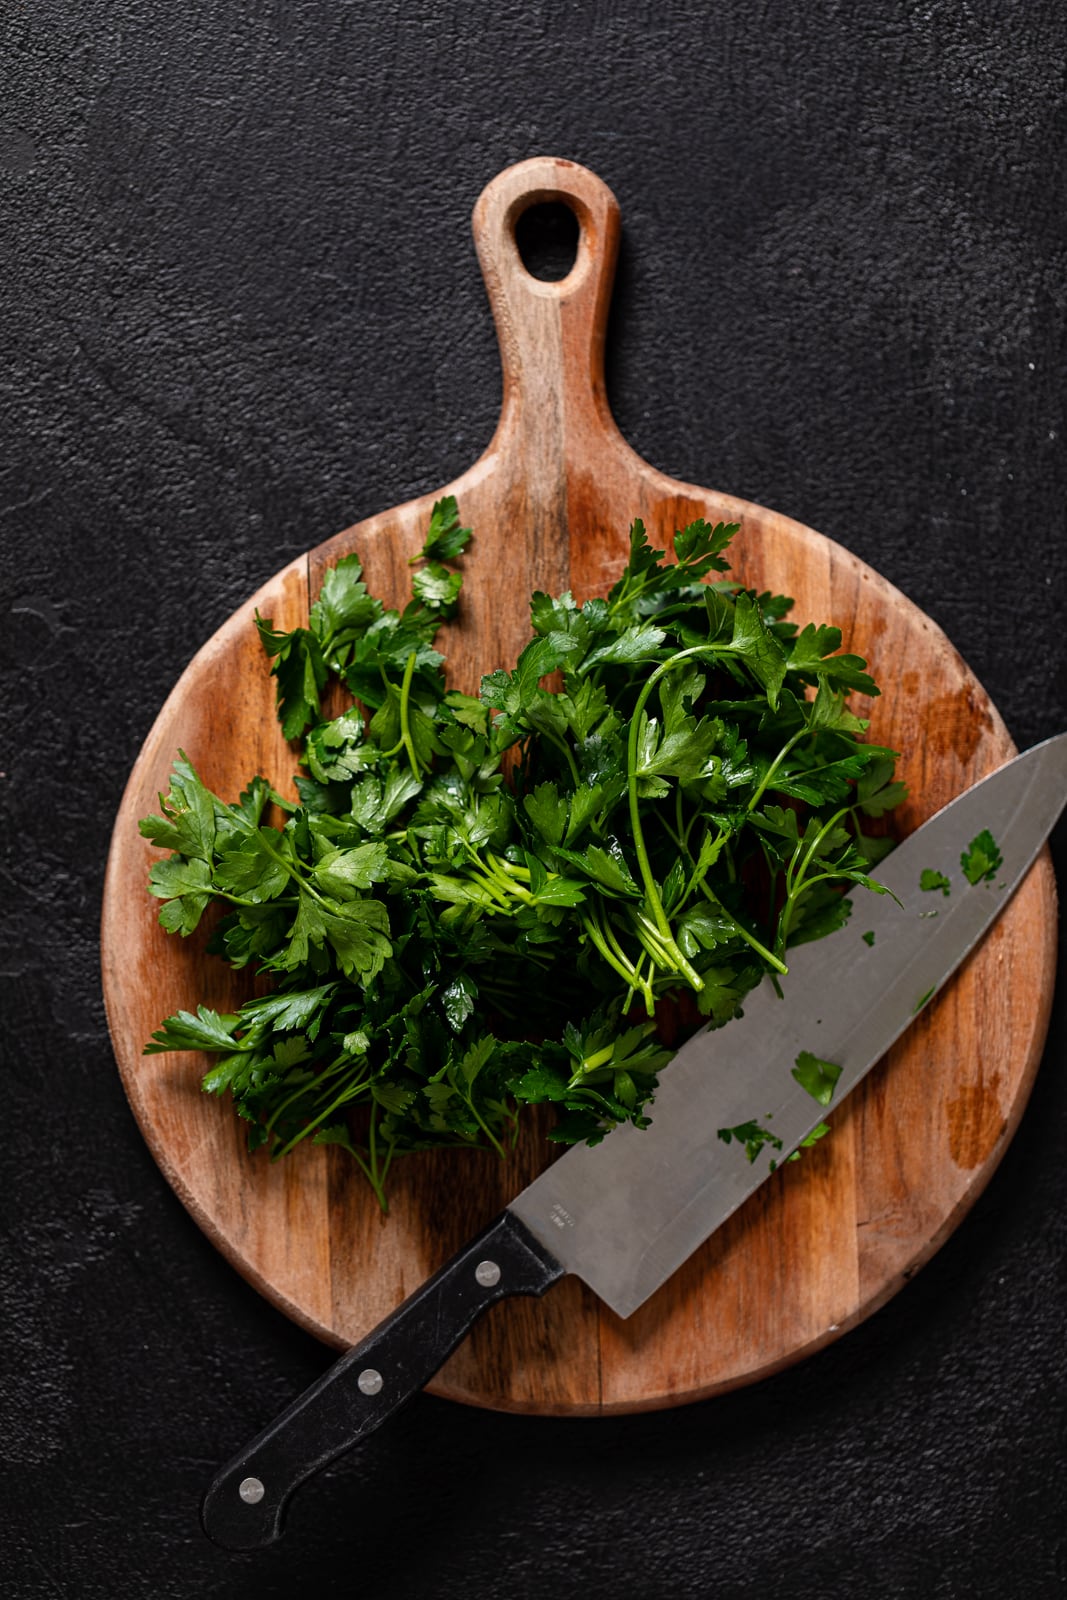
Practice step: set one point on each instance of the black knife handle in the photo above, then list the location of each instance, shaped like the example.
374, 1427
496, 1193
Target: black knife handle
245, 1506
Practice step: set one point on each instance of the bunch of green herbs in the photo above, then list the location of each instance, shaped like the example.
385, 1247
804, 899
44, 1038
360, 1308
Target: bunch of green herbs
481, 902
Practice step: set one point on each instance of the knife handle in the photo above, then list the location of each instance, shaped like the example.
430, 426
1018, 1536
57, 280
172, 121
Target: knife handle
245, 1505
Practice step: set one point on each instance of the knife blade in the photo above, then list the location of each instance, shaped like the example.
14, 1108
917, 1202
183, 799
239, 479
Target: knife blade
624, 1215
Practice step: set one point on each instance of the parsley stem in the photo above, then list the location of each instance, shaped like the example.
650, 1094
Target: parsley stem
592, 1063
363, 1167
493, 1140
652, 894
775, 764
676, 838
302, 883
658, 957
629, 595
668, 959
743, 933
795, 874
796, 870
626, 972
492, 885
506, 885
240, 900
405, 724
700, 872
561, 745
609, 934
348, 1093
679, 819
511, 869
624, 964
505, 874
637, 983
650, 937
372, 1152
385, 1173
304, 1089
821, 877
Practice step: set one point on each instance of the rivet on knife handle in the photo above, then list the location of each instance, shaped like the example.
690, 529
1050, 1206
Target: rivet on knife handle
245, 1506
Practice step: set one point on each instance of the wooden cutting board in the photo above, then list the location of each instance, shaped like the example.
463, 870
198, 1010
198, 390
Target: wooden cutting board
830, 1238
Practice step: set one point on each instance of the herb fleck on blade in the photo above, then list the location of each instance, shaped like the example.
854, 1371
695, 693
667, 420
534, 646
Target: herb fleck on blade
817, 1077
982, 860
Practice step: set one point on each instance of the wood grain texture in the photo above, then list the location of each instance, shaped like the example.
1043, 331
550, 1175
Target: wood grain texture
830, 1238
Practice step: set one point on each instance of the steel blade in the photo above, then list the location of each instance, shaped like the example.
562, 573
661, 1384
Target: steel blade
625, 1214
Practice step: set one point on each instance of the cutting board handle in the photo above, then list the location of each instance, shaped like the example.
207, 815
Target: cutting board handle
551, 333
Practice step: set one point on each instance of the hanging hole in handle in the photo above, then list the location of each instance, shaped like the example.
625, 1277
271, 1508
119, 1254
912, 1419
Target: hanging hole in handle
547, 236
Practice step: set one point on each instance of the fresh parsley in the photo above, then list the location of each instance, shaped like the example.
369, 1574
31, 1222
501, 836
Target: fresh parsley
753, 1136
817, 1077
527, 895
982, 860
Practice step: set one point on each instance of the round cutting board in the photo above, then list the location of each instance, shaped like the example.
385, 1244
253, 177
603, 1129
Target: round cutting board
828, 1239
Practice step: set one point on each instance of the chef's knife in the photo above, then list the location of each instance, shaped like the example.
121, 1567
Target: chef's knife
625, 1214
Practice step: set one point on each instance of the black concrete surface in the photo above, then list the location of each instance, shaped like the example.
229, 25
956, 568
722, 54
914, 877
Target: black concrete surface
240, 310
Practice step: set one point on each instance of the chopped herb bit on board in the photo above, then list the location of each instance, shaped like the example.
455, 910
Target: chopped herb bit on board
479, 902
868, 937
931, 880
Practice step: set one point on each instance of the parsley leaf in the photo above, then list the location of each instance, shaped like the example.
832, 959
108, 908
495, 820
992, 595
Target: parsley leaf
342, 609
982, 860
207, 1030
752, 1135
437, 588
446, 539
299, 666
817, 1077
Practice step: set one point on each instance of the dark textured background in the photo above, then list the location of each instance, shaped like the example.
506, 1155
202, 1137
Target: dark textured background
241, 310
